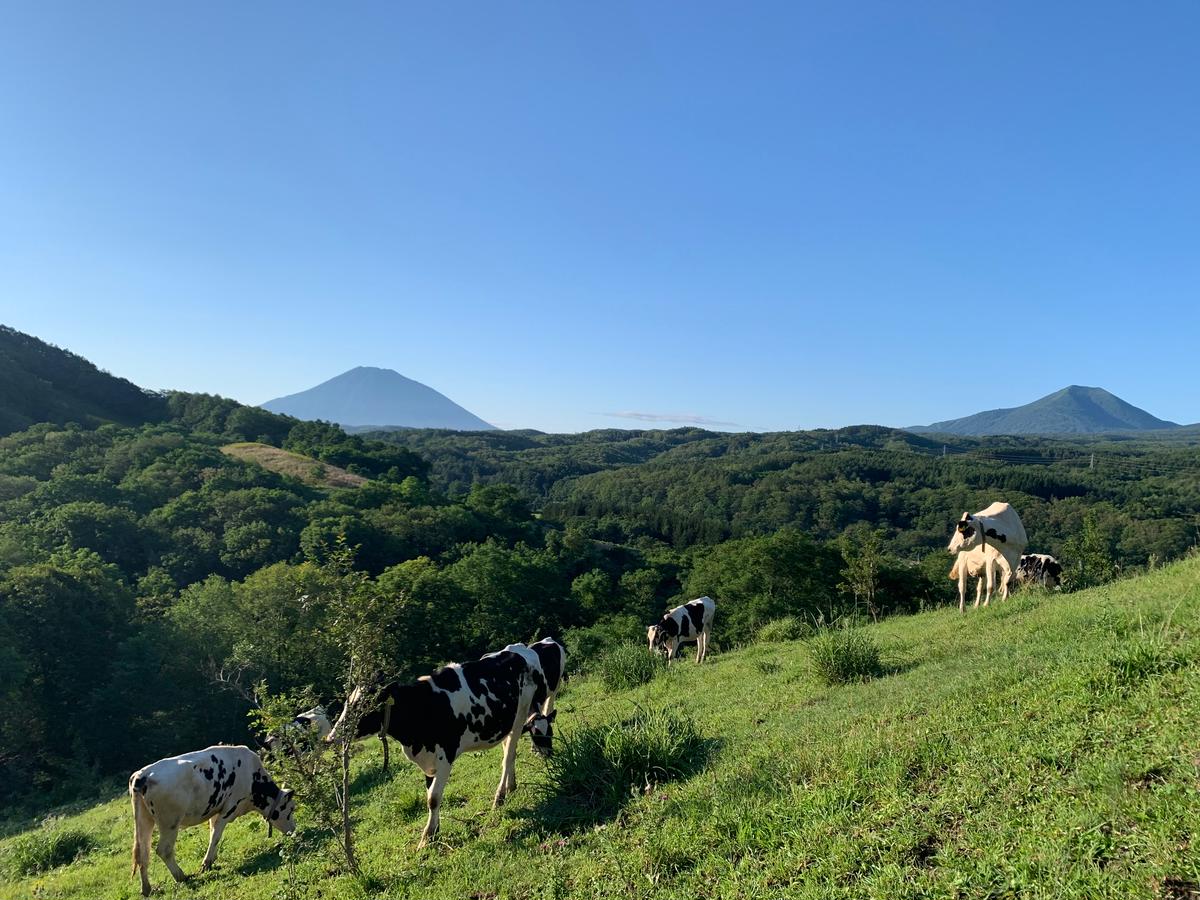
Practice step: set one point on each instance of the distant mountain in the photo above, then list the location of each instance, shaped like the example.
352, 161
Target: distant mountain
43, 383
382, 398
1073, 410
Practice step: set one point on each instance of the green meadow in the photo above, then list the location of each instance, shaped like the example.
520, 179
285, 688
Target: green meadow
1046, 747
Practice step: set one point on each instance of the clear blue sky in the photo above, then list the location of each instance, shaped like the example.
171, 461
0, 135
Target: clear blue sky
772, 215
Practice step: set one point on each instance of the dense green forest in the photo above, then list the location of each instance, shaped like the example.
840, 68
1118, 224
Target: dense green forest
147, 579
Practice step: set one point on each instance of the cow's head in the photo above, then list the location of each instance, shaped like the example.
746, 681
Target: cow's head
966, 535
541, 732
660, 635
278, 806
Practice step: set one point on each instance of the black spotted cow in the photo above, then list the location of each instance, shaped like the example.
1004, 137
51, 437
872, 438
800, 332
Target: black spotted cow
997, 532
540, 725
462, 707
1041, 569
687, 624
216, 785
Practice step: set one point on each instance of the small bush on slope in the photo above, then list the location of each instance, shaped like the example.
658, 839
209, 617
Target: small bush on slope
845, 655
628, 666
597, 768
45, 849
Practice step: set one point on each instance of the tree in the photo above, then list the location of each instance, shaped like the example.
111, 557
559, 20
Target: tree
862, 549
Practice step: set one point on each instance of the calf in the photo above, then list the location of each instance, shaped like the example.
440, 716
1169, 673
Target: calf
1040, 568
540, 725
311, 725
687, 624
980, 564
459, 708
217, 784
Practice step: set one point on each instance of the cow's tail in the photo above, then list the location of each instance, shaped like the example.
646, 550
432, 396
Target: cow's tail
143, 822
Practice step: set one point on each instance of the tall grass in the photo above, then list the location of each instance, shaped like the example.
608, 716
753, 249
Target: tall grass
845, 655
595, 769
45, 849
628, 666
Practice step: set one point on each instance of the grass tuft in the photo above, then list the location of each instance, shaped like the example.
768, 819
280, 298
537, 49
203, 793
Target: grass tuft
596, 769
628, 666
787, 628
845, 655
45, 849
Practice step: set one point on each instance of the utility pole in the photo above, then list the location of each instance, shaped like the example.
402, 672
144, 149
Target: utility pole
1092, 464
943, 451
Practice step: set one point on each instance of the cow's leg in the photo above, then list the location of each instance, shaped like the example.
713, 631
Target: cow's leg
216, 825
434, 786
508, 774
990, 570
701, 643
978, 592
962, 589
1005, 577
166, 849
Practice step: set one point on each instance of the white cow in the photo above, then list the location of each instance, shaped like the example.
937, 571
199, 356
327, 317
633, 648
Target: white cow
307, 728
974, 564
216, 785
999, 527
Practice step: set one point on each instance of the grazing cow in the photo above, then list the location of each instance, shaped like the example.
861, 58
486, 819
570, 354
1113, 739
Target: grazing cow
974, 564
459, 708
1039, 568
540, 725
218, 785
687, 624
314, 722
998, 526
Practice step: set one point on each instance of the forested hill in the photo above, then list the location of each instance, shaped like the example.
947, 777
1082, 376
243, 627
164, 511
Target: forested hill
43, 383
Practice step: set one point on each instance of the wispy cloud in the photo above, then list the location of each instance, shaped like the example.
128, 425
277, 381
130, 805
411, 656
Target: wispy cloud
680, 418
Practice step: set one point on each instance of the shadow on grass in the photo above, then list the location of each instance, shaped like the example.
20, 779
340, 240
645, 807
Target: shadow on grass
369, 779
598, 769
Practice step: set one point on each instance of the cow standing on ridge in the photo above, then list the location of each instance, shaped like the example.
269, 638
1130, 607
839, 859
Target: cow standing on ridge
216, 785
1041, 569
999, 527
690, 623
462, 707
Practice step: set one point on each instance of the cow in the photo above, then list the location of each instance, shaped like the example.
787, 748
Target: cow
690, 623
998, 526
312, 725
217, 785
973, 564
1039, 568
459, 708
540, 725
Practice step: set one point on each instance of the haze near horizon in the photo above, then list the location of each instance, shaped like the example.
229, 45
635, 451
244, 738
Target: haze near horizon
572, 218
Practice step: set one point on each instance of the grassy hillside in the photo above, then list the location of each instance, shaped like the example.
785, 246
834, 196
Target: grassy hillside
1046, 747
284, 462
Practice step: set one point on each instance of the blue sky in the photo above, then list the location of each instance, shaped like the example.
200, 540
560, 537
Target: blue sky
768, 215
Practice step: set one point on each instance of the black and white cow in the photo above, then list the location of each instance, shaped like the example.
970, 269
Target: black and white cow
1039, 568
311, 725
540, 725
687, 624
216, 785
462, 707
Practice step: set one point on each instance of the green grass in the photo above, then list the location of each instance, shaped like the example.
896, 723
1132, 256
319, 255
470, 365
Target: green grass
844, 655
43, 849
1046, 747
629, 666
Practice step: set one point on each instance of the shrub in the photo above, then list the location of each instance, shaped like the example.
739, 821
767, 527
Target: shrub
787, 628
1143, 658
45, 849
628, 666
843, 655
597, 768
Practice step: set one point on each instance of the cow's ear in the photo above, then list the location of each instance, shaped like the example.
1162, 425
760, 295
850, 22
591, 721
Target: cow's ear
528, 724
553, 715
